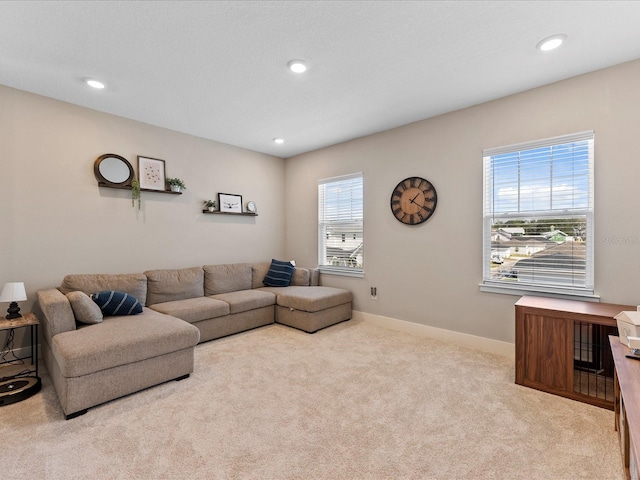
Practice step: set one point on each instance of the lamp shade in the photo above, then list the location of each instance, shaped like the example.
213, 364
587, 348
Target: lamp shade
13, 292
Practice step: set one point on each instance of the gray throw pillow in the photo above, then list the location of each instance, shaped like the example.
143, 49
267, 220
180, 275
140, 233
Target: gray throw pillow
84, 309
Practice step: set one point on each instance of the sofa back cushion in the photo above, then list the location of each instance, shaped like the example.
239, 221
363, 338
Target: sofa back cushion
134, 284
300, 277
258, 272
226, 278
174, 284
314, 277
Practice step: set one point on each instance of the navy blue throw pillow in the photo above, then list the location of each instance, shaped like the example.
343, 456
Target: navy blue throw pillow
117, 303
279, 274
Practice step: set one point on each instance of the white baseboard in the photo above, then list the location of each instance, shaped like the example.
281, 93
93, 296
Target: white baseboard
22, 352
473, 341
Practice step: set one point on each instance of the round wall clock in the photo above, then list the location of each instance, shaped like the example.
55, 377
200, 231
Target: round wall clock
413, 200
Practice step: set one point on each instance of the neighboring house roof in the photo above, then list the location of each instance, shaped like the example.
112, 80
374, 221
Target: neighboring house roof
573, 249
554, 233
344, 252
552, 262
511, 231
570, 257
523, 241
532, 238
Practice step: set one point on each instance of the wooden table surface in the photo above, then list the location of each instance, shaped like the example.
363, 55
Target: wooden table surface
628, 372
24, 321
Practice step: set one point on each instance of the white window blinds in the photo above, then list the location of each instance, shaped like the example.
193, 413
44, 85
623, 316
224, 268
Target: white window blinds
340, 225
538, 216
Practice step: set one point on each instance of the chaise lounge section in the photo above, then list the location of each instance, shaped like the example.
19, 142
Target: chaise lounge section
92, 364
117, 355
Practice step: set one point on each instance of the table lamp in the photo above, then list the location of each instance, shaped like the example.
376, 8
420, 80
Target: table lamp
13, 292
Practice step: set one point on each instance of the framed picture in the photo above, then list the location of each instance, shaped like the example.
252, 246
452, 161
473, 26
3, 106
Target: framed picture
151, 173
228, 202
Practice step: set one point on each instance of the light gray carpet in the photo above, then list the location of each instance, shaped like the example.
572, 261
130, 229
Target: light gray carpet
354, 401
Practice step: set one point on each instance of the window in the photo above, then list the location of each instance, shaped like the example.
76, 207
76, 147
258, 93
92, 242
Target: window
538, 217
340, 232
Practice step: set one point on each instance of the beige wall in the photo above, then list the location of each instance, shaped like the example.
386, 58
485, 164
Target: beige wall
55, 220
429, 274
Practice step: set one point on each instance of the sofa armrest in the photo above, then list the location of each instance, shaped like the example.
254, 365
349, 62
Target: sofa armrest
54, 312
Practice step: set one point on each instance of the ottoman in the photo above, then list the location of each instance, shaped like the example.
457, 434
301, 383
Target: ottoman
313, 308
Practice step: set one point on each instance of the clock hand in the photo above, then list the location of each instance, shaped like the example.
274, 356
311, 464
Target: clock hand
412, 200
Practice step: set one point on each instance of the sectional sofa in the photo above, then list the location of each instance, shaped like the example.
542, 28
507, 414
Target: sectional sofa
93, 357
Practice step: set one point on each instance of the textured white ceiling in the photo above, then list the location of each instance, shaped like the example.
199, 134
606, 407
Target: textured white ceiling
218, 70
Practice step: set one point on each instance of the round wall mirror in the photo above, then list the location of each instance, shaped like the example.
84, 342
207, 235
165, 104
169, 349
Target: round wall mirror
113, 171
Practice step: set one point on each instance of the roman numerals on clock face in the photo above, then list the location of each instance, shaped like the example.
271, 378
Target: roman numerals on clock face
413, 200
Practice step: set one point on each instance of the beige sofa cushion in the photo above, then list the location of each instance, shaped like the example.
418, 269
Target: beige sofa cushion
313, 299
275, 290
172, 285
300, 277
193, 309
84, 308
314, 277
121, 340
245, 300
132, 283
225, 278
258, 272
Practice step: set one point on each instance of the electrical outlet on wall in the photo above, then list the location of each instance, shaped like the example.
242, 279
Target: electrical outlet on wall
374, 293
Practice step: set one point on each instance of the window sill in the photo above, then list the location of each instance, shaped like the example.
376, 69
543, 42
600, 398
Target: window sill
344, 272
540, 292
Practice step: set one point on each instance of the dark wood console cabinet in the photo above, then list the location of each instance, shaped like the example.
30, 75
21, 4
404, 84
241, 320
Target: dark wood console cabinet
562, 347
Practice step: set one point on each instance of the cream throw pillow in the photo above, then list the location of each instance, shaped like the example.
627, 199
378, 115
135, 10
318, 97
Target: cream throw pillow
84, 309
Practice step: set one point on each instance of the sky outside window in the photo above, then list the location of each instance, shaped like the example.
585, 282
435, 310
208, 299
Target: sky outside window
553, 178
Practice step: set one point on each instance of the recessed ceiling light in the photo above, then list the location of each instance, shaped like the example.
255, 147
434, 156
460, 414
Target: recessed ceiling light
297, 66
551, 43
278, 140
92, 82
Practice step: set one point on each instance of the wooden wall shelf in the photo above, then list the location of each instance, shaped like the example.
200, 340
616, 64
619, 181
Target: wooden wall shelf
100, 184
218, 212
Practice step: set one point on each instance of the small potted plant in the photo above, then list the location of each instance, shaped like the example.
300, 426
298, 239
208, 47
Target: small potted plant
176, 184
135, 192
210, 204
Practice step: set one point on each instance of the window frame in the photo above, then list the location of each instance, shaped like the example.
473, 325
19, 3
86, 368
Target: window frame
492, 285
322, 240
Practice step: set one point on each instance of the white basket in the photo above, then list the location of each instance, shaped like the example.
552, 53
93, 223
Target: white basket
628, 325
